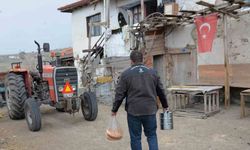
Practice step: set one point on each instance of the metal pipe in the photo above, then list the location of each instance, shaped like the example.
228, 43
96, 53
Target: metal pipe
39, 60
142, 10
89, 47
107, 12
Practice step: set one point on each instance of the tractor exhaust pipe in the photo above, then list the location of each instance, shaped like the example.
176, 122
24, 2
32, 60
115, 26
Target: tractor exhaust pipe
40, 60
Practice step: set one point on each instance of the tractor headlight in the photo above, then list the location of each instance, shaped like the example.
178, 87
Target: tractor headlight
74, 87
60, 88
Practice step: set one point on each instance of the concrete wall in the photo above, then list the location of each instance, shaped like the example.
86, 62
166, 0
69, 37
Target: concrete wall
238, 40
180, 37
210, 66
115, 45
79, 28
238, 36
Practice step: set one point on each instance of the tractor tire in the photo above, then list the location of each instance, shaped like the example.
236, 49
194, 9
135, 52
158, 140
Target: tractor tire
89, 106
32, 114
16, 95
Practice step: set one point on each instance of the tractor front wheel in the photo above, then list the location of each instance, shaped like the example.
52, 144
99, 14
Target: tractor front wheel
89, 106
32, 114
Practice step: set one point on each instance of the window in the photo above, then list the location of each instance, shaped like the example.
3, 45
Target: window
96, 30
136, 11
149, 8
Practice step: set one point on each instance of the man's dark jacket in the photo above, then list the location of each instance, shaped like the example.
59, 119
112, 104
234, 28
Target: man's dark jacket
140, 86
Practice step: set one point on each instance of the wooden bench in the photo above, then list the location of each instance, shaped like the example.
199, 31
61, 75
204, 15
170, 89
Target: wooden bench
181, 95
242, 102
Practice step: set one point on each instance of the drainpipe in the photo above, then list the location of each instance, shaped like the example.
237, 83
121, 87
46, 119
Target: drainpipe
107, 21
142, 9
107, 12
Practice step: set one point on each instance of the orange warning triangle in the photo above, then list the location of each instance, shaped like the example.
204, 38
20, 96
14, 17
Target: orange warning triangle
67, 88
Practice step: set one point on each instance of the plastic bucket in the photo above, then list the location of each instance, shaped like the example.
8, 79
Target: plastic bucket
166, 121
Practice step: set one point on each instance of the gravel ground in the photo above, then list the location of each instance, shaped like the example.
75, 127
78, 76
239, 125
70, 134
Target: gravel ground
61, 131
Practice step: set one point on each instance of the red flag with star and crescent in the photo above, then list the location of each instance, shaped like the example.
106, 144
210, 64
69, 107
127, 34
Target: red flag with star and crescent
206, 27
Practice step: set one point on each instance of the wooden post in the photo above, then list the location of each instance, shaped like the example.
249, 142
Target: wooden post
242, 106
205, 103
218, 100
226, 63
214, 106
142, 10
209, 103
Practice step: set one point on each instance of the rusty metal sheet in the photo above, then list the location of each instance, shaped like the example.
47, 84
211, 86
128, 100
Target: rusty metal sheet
239, 75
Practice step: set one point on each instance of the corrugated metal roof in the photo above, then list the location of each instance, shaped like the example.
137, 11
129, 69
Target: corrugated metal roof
70, 7
67, 52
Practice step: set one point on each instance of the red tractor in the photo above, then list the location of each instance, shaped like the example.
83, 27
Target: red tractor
56, 86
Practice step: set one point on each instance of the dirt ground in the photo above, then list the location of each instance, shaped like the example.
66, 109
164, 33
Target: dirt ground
61, 131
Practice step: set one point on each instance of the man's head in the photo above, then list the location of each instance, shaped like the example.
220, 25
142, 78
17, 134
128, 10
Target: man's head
136, 57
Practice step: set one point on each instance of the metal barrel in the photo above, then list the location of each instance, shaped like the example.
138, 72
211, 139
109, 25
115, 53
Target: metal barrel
166, 121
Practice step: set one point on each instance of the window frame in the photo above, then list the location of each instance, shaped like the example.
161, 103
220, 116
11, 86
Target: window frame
136, 12
96, 30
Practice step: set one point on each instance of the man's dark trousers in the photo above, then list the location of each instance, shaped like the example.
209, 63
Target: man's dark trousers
149, 124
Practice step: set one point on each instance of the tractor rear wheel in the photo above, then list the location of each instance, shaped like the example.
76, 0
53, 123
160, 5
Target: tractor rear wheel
16, 95
32, 114
89, 106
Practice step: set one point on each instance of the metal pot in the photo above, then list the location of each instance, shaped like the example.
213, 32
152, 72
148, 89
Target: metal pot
166, 121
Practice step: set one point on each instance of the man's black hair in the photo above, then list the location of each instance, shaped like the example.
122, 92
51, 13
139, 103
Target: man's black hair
136, 56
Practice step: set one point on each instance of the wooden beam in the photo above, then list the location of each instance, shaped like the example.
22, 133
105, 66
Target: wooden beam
223, 5
176, 16
232, 8
235, 1
86, 50
226, 63
188, 11
178, 51
94, 1
224, 12
205, 4
213, 8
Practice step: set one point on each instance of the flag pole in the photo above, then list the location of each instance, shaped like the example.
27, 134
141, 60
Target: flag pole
226, 63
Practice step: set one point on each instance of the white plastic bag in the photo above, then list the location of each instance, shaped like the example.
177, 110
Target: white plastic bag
114, 131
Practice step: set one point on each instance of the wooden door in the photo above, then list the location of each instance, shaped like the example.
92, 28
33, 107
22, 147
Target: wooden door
184, 67
158, 65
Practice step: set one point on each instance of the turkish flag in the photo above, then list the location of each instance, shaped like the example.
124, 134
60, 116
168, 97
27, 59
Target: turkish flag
206, 27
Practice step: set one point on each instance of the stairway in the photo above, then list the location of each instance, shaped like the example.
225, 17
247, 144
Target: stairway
96, 50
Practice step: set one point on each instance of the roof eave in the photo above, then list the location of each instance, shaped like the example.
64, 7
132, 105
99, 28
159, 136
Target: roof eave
73, 6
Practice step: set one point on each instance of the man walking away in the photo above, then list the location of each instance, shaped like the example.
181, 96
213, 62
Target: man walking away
140, 86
